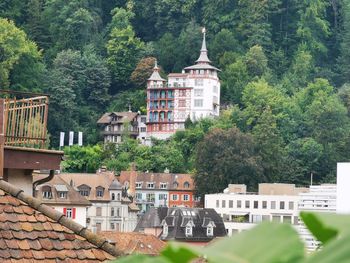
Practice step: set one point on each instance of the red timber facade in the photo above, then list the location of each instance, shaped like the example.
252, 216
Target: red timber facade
162, 106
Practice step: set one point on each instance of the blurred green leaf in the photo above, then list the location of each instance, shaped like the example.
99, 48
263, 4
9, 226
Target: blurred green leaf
266, 243
178, 254
142, 259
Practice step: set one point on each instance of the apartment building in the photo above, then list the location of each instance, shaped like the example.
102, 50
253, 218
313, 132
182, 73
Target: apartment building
159, 189
111, 208
241, 210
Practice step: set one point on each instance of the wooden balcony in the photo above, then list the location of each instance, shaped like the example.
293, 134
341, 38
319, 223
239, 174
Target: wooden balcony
23, 133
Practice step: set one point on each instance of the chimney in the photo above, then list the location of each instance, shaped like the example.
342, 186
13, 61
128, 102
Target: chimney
133, 175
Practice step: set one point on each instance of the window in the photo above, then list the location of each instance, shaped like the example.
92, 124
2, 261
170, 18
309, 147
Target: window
175, 184
291, 205
230, 203
163, 196
188, 231
143, 119
239, 204
256, 204
174, 197
98, 211
62, 195
163, 185
165, 230
118, 197
69, 212
223, 203
138, 196
186, 197
217, 203
112, 226
273, 204
198, 103
118, 212
264, 204
113, 196
247, 204
47, 193
112, 211
182, 93
99, 192
150, 197
138, 185
182, 103
210, 231
84, 190
198, 82
186, 185
143, 129
281, 205
98, 227
150, 185
198, 92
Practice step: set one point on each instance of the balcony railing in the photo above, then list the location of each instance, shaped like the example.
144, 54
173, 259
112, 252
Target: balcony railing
24, 120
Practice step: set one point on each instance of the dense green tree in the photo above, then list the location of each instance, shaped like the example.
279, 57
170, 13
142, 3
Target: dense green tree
164, 49
14, 44
256, 61
226, 156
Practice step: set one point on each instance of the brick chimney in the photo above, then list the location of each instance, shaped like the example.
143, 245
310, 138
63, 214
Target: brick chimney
133, 175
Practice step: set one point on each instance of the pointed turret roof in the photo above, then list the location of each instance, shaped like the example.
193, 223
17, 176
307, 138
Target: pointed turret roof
203, 57
155, 75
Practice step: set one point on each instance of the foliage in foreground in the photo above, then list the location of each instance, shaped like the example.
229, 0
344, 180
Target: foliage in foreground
266, 243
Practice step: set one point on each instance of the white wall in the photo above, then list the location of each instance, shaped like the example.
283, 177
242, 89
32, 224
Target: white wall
343, 186
21, 180
80, 213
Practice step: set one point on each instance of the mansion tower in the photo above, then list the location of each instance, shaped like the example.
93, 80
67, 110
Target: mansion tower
194, 93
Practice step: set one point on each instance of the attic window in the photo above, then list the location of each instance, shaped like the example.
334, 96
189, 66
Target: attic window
84, 190
99, 191
47, 193
62, 195
150, 185
188, 231
210, 231
138, 185
186, 185
163, 185
175, 184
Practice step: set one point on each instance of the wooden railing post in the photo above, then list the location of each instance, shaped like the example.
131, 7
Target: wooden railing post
2, 137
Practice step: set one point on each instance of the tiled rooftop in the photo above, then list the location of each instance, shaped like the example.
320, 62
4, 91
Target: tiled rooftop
133, 242
31, 231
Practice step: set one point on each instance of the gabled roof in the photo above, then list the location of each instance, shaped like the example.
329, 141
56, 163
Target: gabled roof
126, 116
103, 179
57, 184
31, 231
178, 218
133, 242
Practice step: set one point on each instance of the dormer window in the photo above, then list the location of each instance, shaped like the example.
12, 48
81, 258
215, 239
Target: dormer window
210, 231
84, 190
163, 186
47, 193
62, 195
165, 230
188, 231
150, 185
99, 191
62, 191
186, 185
138, 185
175, 184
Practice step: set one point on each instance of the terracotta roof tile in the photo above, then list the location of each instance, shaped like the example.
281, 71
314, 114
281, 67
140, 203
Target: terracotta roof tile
28, 234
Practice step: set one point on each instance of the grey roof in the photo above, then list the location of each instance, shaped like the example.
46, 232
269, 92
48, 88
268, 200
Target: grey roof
126, 116
202, 66
115, 185
203, 57
177, 218
61, 188
155, 75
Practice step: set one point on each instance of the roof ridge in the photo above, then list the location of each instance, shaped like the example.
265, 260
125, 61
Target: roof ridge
57, 216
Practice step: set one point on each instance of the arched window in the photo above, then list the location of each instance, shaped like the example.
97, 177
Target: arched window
186, 185
175, 184
113, 196
118, 197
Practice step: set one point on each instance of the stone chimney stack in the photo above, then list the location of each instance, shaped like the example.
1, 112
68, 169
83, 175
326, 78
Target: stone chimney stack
133, 175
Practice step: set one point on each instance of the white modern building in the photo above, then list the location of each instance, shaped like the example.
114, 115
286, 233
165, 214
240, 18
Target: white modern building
194, 94
320, 198
241, 210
